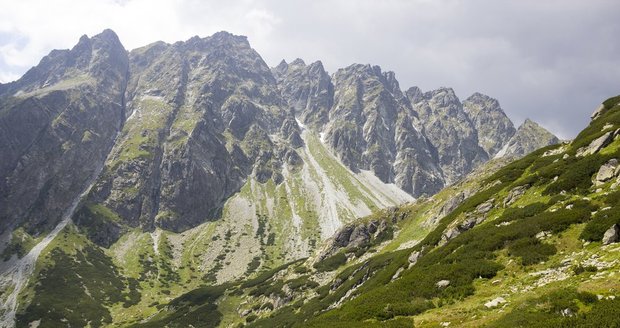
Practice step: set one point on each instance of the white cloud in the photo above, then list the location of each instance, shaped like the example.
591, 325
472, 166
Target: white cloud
551, 61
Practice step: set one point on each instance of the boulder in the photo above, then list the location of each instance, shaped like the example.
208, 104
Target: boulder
442, 283
414, 257
451, 204
485, 207
597, 144
495, 302
612, 235
607, 172
597, 112
514, 194
468, 224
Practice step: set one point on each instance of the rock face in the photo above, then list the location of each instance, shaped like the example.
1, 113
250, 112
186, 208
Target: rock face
201, 113
529, 137
57, 124
308, 89
421, 141
450, 130
493, 126
372, 128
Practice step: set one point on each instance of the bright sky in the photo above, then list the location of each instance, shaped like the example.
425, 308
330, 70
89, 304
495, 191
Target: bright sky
553, 61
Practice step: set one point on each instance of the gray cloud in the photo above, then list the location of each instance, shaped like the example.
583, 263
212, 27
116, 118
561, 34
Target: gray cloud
553, 61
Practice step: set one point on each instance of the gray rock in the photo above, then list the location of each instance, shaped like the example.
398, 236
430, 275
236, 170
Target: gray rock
449, 129
469, 223
495, 302
57, 125
443, 283
597, 112
607, 172
596, 144
514, 194
359, 236
612, 235
485, 207
414, 257
372, 127
307, 89
451, 204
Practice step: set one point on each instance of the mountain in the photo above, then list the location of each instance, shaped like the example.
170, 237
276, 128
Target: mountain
58, 123
529, 243
494, 128
528, 137
131, 178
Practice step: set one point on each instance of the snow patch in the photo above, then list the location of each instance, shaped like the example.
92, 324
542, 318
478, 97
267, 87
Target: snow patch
502, 152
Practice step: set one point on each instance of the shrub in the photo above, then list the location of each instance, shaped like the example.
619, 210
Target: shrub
331, 263
531, 250
595, 229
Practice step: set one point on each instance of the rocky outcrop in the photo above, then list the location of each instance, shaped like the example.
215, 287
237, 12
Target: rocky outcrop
493, 126
495, 302
442, 283
612, 235
529, 137
57, 125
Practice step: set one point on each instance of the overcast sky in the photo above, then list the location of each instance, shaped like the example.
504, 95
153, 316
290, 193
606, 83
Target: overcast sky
550, 60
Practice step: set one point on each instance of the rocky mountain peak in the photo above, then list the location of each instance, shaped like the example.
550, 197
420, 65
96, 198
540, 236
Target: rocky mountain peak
443, 97
98, 58
493, 126
298, 62
528, 137
73, 103
450, 130
490, 104
414, 94
282, 67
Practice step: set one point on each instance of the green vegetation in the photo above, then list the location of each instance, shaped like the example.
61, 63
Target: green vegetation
75, 282
560, 308
331, 263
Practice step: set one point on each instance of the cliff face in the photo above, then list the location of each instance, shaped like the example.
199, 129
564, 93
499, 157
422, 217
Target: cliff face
57, 124
450, 130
